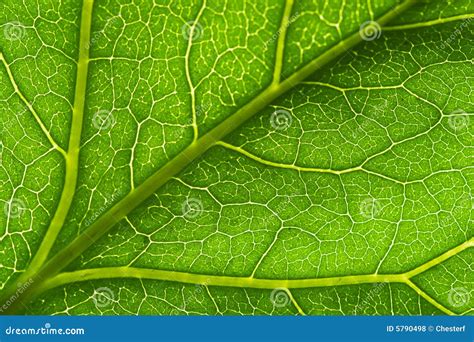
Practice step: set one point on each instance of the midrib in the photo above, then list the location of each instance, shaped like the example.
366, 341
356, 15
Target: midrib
162, 176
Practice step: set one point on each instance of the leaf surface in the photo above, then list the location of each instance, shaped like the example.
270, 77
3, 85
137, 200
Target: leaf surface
276, 157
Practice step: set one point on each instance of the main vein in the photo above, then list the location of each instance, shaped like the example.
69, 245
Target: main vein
159, 178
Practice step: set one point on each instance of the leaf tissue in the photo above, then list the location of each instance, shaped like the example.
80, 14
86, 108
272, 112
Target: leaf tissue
289, 157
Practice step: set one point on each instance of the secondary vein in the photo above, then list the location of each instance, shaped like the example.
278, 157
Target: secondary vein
72, 156
232, 281
192, 33
285, 22
430, 23
30, 108
259, 283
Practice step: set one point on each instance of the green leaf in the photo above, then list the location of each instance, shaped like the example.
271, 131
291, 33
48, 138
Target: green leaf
253, 158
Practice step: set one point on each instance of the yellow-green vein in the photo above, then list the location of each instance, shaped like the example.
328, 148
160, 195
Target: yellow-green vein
30, 108
72, 156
